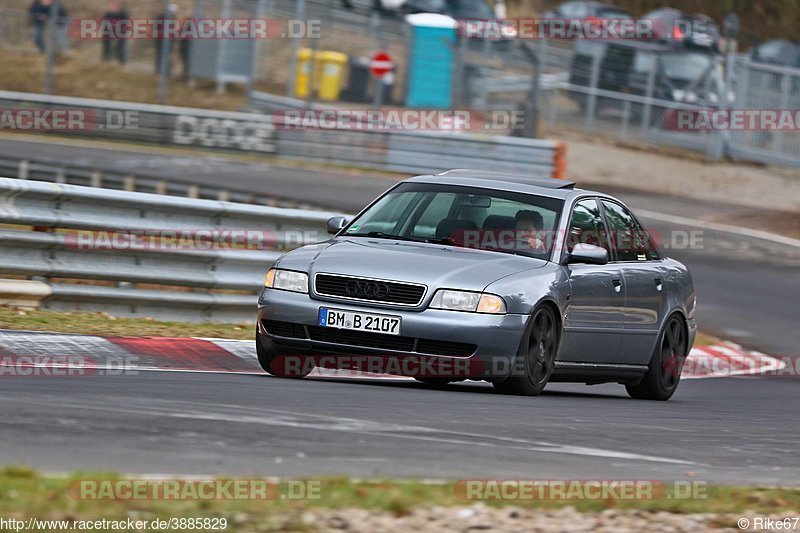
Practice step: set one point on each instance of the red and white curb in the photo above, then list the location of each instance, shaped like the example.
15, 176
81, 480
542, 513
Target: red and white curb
164, 354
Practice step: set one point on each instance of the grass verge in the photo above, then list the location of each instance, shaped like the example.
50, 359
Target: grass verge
105, 324
108, 325
24, 493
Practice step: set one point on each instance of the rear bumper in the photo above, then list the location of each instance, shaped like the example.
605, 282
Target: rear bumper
468, 344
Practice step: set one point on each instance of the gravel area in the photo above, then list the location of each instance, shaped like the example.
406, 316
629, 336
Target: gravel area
507, 519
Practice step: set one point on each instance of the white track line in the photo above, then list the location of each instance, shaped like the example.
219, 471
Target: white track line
716, 226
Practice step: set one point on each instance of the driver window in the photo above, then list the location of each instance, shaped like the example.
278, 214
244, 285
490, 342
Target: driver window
586, 226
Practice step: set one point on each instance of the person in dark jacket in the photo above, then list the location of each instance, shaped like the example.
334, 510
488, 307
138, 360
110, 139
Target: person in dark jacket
114, 47
39, 12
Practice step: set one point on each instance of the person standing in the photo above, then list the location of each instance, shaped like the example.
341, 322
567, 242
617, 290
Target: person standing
113, 46
40, 12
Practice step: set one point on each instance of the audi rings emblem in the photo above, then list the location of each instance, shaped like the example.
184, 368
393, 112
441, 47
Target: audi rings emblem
367, 289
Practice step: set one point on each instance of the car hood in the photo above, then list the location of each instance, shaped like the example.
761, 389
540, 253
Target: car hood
434, 265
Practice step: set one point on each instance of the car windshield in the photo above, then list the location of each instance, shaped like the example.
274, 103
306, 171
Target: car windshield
468, 217
683, 66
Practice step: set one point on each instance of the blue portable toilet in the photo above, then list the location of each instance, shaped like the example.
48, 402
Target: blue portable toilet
429, 82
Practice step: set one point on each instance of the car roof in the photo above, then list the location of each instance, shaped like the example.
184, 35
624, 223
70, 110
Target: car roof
503, 181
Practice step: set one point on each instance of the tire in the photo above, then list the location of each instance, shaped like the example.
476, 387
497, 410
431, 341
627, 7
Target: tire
534, 364
267, 358
664, 373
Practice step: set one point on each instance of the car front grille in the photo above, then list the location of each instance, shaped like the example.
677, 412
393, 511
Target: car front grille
370, 290
375, 341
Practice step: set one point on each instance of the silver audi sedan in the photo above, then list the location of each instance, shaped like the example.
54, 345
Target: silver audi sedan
484, 276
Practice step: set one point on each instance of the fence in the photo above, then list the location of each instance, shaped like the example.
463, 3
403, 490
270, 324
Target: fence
89, 250
637, 91
398, 151
767, 87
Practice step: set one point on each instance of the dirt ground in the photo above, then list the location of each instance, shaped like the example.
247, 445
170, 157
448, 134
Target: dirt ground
595, 160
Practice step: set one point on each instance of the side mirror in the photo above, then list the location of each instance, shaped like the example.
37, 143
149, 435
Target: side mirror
588, 254
335, 224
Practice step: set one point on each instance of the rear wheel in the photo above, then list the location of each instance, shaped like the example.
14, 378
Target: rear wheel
662, 378
533, 368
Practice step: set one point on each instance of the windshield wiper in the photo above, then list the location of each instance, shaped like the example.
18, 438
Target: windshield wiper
382, 235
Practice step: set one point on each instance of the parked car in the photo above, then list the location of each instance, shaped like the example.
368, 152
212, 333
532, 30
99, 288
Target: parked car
524, 281
690, 76
779, 52
582, 10
692, 30
458, 9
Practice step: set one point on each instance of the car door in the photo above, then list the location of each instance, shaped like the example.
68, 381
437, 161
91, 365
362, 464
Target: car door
594, 316
645, 294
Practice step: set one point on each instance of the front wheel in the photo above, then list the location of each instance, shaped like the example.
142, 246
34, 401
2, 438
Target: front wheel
664, 374
534, 366
276, 364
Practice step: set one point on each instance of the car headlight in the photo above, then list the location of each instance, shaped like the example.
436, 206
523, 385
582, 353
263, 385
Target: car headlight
287, 280
470, 302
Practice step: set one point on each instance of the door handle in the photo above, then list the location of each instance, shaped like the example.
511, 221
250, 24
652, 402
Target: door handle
659, 284
617, 285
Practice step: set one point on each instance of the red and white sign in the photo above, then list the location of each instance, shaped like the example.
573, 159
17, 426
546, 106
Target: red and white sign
381, 64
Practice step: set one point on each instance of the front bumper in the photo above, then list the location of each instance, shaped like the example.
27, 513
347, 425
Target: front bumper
429, 335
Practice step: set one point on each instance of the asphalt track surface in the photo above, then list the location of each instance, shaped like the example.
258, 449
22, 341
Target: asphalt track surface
727, 430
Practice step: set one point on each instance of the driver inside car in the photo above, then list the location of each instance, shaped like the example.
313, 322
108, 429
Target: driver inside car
530, 228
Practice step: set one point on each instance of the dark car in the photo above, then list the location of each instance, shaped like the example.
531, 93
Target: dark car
692, 30
679, 75
779, 52
458, 9
580, 10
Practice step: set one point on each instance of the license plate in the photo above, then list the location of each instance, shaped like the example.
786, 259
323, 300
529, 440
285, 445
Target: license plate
335, 318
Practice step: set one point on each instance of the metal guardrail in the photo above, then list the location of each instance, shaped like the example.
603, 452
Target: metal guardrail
57, 171
74, 233
399, 151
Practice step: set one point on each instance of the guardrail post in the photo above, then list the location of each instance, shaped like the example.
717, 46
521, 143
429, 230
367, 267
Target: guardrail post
651, 89
560, 161
24, 169
97, 179
130, 183
161, 187
193, 192
61, 175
